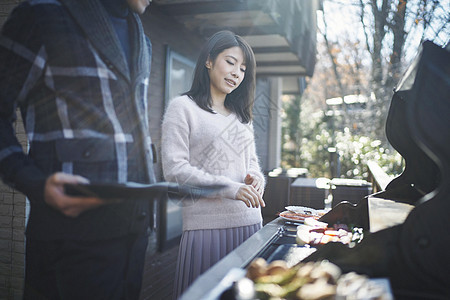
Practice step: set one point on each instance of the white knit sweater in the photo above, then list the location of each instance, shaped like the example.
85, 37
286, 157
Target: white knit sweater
201, 148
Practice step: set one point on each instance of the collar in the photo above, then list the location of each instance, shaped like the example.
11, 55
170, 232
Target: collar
93, 19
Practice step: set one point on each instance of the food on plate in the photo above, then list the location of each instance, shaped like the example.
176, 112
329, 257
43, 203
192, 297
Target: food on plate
319, 289
257, 268
288, 282
304, 210
356, 286
311, 280
300, 213
314, 223
277, 267
314, 233
296, 217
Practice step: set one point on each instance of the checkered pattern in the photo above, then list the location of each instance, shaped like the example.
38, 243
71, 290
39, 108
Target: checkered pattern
83, 108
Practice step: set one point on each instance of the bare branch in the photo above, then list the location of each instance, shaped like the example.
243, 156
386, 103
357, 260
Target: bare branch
366, 35
332, 57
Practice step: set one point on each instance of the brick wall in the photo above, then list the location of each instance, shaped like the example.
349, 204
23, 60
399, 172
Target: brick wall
13, 208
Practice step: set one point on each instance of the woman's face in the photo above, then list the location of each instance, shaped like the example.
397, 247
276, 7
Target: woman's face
226, 72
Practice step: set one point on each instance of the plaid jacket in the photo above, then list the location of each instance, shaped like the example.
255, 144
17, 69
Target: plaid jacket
84, 111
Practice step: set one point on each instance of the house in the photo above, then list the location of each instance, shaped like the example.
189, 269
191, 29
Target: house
283, 37
281, 33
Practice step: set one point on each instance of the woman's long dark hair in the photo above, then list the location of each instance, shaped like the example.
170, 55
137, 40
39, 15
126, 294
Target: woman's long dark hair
240, 101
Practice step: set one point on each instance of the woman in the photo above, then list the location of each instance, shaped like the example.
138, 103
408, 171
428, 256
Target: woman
207, 138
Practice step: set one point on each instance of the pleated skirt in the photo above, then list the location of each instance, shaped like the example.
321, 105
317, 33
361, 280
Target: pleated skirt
201, 249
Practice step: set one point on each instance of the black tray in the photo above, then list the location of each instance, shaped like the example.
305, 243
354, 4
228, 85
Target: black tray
132, 190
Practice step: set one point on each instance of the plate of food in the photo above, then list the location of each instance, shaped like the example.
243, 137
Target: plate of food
307, 280
316, 233
299, 213
297, 217
301, 209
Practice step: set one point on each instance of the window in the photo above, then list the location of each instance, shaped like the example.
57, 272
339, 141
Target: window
179, 74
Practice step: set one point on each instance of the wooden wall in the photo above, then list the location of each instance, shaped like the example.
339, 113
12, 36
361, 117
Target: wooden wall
162, 31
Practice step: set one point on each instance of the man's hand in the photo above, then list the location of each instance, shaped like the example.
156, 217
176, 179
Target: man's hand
69, 206
250, 196
256, 182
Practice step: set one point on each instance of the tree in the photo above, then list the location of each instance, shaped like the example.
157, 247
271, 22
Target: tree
392, 31
291, 131
364, 47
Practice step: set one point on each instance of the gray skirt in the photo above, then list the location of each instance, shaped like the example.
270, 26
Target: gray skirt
201, 249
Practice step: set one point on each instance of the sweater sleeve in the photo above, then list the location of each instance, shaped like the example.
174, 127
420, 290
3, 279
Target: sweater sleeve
175, 153
254, 168
21, 64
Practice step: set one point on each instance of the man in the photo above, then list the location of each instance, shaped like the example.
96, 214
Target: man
78, 71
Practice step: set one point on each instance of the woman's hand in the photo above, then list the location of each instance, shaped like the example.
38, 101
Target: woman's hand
256, 182
250, 196
70, 206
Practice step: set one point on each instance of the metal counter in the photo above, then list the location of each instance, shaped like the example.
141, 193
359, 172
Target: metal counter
274, 241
